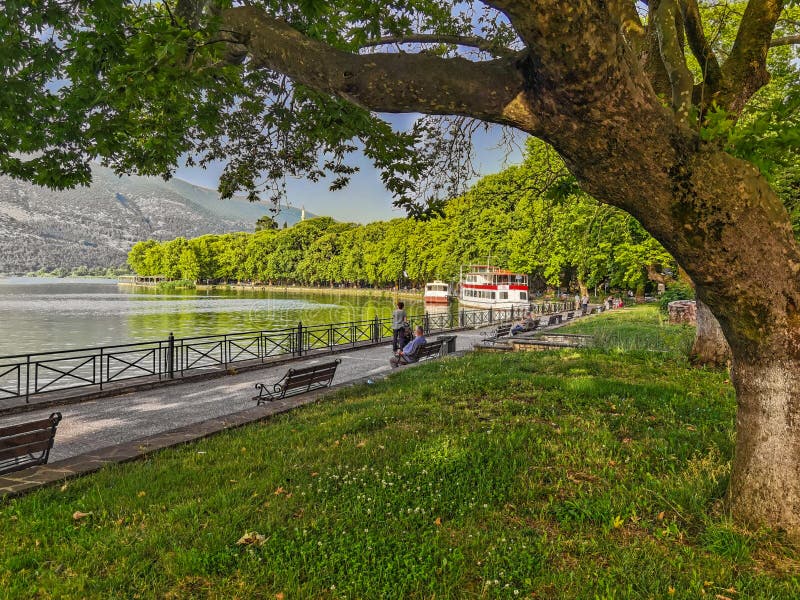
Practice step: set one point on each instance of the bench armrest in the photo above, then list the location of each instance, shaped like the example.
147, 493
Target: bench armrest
266, 394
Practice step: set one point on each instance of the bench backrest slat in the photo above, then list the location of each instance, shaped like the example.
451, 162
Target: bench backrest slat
307, 379
307, 376
25, 449
25, 438
429, 349
27, 444
26, 427
312, 369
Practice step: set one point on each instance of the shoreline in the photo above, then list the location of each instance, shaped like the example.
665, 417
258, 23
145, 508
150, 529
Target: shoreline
375, 292
380, 293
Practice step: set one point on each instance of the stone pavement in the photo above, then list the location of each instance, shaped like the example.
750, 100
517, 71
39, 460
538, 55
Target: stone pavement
124, 427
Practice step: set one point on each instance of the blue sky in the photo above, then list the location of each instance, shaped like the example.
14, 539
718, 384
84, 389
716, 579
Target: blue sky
365, 199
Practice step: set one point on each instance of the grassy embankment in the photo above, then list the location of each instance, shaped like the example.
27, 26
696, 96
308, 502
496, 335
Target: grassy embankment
570, 474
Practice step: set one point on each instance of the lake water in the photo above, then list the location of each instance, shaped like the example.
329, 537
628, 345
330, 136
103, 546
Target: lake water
39, 314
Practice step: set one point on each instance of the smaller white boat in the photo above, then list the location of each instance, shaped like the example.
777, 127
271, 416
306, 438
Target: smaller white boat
436, 292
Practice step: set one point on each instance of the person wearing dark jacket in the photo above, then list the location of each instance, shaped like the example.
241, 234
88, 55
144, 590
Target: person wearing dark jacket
398, 324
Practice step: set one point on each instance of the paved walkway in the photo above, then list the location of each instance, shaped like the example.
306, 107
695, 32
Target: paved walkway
114, 429
95, 424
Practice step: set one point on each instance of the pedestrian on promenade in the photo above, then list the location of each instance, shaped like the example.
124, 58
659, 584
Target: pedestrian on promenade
585, 304
409, 353
398, 323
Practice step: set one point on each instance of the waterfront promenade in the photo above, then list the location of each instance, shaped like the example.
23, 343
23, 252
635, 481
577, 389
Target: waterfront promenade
96, 424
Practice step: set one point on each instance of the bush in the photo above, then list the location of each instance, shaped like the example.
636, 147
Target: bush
675, 291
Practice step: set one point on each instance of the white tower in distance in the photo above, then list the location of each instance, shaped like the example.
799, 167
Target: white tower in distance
303, 213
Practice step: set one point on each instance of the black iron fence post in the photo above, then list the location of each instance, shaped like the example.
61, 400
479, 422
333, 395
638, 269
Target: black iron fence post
171, 356
426, 322
299, 343
461, 318
491, 316
101, 368
28, 379
376, 330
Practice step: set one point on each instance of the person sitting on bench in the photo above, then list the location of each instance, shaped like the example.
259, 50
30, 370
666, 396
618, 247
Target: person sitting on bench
518, 327
408, 353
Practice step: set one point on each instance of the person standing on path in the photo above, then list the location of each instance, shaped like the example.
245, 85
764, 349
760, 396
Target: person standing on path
398, 322
585, 304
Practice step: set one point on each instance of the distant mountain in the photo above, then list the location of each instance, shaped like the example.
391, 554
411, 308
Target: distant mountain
96, 226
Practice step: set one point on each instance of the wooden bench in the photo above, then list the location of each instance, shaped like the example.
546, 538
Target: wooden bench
501, 331
297, 381
532, 325
27, 444
429, 350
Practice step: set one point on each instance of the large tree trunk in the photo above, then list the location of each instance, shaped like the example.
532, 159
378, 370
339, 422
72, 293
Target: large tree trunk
710, 347
721, 221
765, 482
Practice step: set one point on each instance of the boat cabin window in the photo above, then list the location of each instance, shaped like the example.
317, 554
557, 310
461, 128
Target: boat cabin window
503, 295
523, 295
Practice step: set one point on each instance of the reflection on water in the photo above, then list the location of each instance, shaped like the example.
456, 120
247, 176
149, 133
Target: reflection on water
39, 314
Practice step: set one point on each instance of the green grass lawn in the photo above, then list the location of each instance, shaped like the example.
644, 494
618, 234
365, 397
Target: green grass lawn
595, 473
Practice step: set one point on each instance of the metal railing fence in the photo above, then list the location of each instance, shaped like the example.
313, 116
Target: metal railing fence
26, 375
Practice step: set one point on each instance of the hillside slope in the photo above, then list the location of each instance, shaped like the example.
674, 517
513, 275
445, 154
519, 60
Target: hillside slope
96, 226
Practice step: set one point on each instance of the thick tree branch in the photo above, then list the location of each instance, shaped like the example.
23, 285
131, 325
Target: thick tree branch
745, 71
632, 26
393, 83
785, 41
712, 74
457, 40
680, 77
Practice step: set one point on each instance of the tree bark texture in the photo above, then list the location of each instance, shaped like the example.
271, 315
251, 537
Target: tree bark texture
579, 86
710, 347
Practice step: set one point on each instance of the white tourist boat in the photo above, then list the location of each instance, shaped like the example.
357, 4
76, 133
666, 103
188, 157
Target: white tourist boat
485, 286
436, 292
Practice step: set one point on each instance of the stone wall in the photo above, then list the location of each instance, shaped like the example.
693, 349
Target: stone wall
683, 311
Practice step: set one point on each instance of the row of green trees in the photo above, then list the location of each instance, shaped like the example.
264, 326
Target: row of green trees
547, 229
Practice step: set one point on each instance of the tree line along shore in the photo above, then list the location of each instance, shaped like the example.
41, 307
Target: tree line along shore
555, 233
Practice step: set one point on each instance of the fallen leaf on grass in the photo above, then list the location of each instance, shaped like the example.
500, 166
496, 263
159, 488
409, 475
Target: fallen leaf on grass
438, 521
142, 494
660, 516
251, 538
361, 444
279, 491
280, 596
78, 515
721, 597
